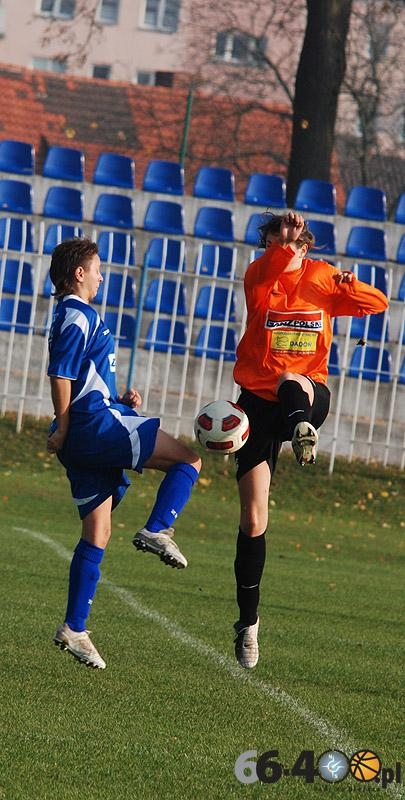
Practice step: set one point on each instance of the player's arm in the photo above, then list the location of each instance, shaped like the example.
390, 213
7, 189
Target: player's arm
262, 274
355, 298
61, 393
340, 293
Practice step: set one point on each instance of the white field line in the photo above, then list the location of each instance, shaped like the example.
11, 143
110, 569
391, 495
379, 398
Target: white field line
338, 740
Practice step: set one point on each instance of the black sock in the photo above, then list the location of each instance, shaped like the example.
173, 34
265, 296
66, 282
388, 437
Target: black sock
295, 405
249, 564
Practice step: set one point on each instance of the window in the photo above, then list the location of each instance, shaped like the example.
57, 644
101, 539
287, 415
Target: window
240, 48
101, 71
145, 78
50, 64
162, 14
107, 11
155, 78
58, 8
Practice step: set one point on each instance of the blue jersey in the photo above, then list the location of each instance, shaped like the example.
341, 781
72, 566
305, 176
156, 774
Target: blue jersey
105, 436
81, 348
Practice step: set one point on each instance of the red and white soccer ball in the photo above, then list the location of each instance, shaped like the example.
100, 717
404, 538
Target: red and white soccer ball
221, 426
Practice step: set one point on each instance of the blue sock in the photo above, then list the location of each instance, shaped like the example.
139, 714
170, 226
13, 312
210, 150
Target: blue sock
83, 579
172, 496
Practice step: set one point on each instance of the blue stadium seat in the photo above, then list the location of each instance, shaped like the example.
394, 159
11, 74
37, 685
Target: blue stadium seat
214, 259
115, 290
375, 328
64, 163
334, 360
114, 209
63, 202
115, 247
15, 196
214, 223
164, 253
212, 303
16, 234
114, 169
168, 291
212, 343
164, 216
316, 195
214, 183
16, 277
325, 237
400, 257
126, 334
370, 371
252, 234
374, 275
17, 157
401, 290
165, 336
365, 242
56, 233
266, 190
48, 287
399, 215
14, 317
366, 202
166, 177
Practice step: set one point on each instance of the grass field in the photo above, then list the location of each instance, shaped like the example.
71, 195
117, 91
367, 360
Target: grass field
173, 711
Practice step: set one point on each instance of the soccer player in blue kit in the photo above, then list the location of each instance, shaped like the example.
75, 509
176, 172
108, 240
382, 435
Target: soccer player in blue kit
97, 435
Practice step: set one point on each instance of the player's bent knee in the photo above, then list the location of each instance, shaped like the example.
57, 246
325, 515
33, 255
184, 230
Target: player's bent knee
253, 525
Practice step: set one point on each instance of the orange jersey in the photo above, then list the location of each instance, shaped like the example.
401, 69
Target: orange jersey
289, 318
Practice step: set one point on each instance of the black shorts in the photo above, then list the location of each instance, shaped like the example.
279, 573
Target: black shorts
268, 430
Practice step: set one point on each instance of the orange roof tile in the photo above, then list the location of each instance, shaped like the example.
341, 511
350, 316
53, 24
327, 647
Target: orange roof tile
144, 122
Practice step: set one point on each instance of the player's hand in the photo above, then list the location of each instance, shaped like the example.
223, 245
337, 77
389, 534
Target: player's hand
343, 277
132, 398
291, 227
55, 441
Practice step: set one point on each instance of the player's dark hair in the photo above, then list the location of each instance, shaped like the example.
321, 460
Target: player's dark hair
66, 257
272, 224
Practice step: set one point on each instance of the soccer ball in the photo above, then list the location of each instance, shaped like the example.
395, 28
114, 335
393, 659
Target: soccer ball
221, 426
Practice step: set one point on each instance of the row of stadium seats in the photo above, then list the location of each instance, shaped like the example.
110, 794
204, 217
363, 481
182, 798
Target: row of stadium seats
212, 341
166, 296
167, 217
214, 183
116, 247
163, 334
170, 297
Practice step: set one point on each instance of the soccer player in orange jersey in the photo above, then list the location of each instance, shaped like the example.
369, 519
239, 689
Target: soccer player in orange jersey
281, 368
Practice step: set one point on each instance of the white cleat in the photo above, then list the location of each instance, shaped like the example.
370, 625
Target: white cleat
79, 645
304, 441
246, 644
162, 545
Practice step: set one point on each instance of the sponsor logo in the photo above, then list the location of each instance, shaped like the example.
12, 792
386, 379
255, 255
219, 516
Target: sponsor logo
296, 321
302, 342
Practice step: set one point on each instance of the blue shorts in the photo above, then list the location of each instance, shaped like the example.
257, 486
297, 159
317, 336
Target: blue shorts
99, 449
